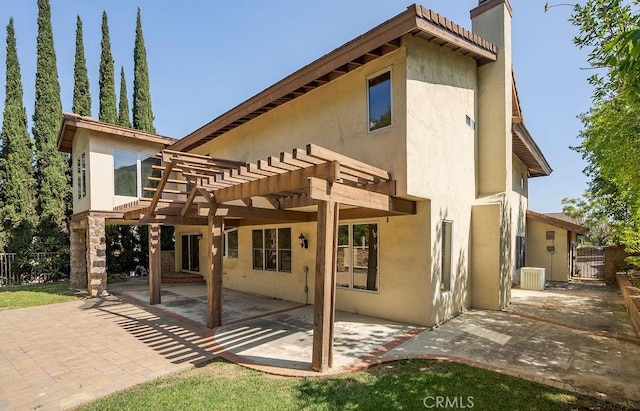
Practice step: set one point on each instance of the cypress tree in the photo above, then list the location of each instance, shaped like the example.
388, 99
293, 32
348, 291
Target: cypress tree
106, 80
17, 198
81, 94
142, 112
52, 166
123, 107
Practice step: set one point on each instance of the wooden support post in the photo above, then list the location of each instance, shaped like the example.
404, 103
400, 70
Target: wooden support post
214, 268
325, 286
154, 264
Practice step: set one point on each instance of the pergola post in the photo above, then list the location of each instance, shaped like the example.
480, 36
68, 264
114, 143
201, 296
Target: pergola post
155, 264
213, 269
325, 285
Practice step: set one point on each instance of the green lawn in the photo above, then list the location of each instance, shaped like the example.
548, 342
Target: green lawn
20, 296
404, 385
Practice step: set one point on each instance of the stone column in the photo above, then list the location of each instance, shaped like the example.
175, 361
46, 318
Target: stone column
96, 256
78, 277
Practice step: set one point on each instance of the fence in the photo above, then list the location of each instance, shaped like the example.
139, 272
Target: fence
9, 277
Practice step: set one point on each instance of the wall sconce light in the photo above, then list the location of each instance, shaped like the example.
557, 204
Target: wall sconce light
303, 241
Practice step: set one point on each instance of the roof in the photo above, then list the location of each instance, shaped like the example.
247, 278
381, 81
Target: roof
559, 220
381, 40
71, 122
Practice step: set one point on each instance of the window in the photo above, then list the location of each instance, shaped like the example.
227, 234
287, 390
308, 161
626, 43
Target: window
357, 258
272, 249
520, 251
230, 243
445, 272
191, 252
82, 176
379, 96
131, 172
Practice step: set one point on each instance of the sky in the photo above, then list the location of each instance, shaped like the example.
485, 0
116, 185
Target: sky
207, 56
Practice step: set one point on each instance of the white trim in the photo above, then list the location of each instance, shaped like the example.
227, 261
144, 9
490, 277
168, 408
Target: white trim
197, 234
376, 74
225, 251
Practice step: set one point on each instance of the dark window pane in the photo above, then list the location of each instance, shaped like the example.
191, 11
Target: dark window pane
380, 101
147, 170
185, 252
232, 238
83, 174
343, 235
79, 181
271, 259
270, 238
285, 261
125, 167
195, 253
284, 238
256, 238
258, 260
365, 257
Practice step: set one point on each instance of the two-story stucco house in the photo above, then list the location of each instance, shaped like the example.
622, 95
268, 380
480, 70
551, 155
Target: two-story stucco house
390, 176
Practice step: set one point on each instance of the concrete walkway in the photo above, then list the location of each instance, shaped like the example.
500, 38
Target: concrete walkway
576, 337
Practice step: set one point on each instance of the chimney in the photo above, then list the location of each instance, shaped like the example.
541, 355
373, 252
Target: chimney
491, 20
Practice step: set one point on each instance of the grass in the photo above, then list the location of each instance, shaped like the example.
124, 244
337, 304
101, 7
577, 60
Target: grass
403, 385
20, 296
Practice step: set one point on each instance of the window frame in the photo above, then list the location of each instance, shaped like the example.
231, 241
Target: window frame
521, 251
368, 101
350, 248
277, 250
140, 158
225, 247
446, 279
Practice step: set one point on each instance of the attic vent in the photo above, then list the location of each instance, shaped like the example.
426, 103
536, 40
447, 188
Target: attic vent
551, 235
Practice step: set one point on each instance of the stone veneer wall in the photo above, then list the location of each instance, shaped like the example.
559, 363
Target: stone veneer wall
97, 256
78, 251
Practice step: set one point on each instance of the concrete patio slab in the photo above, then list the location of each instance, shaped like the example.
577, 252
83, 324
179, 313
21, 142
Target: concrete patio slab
578, 339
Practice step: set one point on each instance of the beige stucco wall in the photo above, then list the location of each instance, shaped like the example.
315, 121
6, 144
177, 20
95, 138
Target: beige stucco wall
100, 177
333, 116
441, 93
556, 264
495, 104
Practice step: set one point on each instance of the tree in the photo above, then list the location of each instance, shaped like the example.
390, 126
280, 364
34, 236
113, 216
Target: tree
18, 216
123, 108
81, 94
106, 79
52, 166
610, 128
142, 112
591, 210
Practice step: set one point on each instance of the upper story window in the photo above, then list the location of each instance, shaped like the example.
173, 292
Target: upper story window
82, 176
272, 249
379, 100
131, 172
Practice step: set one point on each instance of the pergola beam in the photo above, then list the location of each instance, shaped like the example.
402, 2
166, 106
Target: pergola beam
288, 181
161, 185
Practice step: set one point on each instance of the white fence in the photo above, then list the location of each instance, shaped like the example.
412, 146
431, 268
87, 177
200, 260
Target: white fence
7, 276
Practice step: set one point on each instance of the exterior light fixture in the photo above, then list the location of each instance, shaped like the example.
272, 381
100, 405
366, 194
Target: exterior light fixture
303, 241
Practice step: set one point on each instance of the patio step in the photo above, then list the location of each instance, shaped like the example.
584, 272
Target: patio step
181, 278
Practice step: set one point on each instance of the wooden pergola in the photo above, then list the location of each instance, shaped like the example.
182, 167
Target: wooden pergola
312, 184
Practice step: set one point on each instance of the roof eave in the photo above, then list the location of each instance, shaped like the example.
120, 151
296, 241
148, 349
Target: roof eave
529, 153
578, 229
71, 122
